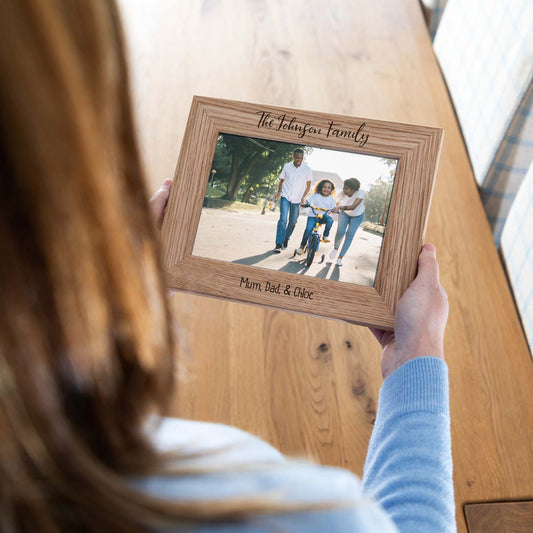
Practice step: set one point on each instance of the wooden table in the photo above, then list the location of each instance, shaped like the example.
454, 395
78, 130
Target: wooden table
307, 385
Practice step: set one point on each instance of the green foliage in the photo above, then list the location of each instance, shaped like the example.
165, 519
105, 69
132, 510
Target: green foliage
377, 202
248, 168
221, 162
213, 193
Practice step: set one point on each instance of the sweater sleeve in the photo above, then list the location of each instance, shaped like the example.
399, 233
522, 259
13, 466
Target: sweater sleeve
408, 468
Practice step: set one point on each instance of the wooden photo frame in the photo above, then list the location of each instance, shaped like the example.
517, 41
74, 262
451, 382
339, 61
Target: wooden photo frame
197, 261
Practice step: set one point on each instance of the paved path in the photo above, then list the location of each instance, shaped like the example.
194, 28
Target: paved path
247, 238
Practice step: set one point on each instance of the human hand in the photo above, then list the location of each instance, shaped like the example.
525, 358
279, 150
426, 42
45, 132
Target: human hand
335, 209
420, 318
278, 194
158, 203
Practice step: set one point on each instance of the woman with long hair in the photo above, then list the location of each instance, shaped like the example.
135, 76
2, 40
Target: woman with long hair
86, 366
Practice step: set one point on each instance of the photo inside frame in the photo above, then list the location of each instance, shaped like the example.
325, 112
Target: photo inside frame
245, 221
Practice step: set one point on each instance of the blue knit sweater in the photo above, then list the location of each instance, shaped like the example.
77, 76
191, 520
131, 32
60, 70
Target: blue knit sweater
407, 482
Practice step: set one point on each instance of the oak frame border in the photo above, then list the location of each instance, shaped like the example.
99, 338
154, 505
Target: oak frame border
417, 149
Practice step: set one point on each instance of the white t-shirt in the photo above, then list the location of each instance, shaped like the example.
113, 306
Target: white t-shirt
323, 202
295, 181
349, 200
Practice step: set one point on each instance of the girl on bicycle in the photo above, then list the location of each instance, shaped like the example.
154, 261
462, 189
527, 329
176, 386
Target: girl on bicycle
323, 200
351, 209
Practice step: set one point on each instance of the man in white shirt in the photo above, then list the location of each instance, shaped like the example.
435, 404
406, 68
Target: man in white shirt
294, 184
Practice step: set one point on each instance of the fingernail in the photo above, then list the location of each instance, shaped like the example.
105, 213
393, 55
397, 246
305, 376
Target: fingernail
430, 248
168, 181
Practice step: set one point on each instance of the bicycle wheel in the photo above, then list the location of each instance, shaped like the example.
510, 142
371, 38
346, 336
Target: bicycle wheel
312, 247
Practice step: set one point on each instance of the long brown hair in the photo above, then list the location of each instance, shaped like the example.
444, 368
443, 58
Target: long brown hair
85, 347
85, 343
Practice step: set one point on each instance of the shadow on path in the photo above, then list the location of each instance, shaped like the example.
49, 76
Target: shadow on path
253, 259
323, 273
294, 267
336, 273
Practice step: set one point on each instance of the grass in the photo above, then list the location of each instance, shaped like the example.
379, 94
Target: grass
214, 193
377, 229
219, 203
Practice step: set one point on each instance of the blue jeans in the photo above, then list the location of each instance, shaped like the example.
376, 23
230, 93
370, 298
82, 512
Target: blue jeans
284, 230
311, 221
346, 225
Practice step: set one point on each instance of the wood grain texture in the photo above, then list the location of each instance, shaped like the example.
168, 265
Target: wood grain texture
416, 148
305, 384
499, 517
259, 369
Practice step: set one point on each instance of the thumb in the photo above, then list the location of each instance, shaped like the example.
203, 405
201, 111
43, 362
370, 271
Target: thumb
428, 268
161, 195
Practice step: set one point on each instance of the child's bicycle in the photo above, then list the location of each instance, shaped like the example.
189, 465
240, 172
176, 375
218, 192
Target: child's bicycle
313, 241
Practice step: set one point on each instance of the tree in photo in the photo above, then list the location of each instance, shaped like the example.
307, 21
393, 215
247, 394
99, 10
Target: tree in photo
378, 197
376, 202
252, 165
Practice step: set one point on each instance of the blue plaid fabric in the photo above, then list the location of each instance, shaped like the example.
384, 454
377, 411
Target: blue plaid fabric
485, 49
517, 250
509, 166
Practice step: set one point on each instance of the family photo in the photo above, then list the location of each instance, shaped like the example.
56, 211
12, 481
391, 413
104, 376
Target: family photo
296, 208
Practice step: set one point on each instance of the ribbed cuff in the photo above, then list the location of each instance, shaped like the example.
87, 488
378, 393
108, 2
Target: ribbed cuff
421, 384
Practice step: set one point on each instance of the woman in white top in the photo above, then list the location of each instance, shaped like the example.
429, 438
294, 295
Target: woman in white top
351, 209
